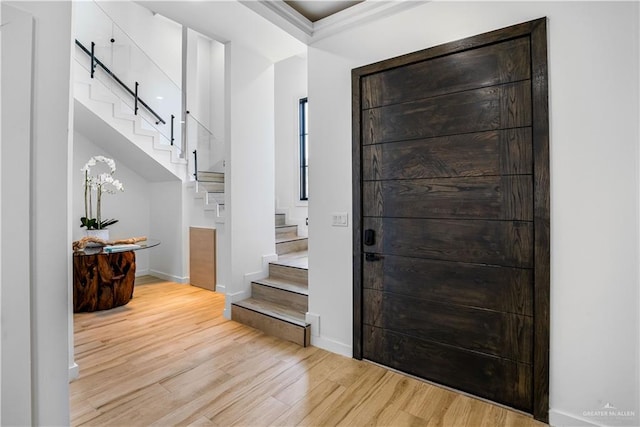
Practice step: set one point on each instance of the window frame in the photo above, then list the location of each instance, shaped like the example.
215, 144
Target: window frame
303, 146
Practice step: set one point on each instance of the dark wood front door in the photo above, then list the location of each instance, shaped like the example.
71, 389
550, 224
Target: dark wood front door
451, 232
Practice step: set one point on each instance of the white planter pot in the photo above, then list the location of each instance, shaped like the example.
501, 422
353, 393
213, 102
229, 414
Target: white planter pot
102, 234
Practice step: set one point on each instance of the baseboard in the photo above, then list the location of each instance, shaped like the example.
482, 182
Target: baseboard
230, 298
74, 372
266, 259
250, 277
238, 296
220, 288
168, 277
332, 346
563, 419
144, 272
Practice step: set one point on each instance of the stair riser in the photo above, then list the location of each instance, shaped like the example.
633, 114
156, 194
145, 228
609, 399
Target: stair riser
292, 300
275, 327
292, 246
210, 177
289, 231
280, 219
292, 274
210, 187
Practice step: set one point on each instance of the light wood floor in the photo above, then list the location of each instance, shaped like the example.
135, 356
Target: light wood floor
170, 358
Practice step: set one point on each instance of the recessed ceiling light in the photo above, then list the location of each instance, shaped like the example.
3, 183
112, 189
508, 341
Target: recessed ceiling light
159, 97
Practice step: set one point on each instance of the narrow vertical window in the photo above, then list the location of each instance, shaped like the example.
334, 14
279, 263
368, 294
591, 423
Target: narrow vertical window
304, 149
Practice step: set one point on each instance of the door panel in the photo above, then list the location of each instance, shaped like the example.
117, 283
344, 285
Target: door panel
493, 197
491, 332
494, 107
506, 243
508, 290
493, 378
445, 164
485, 66
504, 152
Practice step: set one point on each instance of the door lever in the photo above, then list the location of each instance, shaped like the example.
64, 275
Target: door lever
372, 257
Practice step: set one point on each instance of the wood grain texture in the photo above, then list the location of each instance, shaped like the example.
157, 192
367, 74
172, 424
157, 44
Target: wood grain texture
506, 243
103, 281
504, 289
170, 358
485, 331
405, 142
491, 108
486, 66
494, 197
484, 375
202, 257
271, 326
542, 218
505, 152
281, 295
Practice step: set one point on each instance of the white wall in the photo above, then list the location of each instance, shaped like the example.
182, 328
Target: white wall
0, 227
50, 256
250, 172
167, 260
130, 208
205, 100
593, 100
15, 150
290, 87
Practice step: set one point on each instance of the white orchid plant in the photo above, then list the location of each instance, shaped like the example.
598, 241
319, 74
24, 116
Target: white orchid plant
101, 183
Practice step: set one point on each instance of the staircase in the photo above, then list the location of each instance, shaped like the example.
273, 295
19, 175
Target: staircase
136, 133
278, 303
210, 187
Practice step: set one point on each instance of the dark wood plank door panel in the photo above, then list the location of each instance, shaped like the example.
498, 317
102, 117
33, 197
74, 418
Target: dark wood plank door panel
493, 197
495, 107
506, 243
502, 152
486, 66
504, 289
491, 332
442, 363
450, 198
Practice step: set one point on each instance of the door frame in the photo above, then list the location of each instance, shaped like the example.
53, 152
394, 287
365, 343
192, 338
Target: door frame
536, 30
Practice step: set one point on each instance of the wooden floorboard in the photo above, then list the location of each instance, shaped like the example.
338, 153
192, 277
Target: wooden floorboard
169, 358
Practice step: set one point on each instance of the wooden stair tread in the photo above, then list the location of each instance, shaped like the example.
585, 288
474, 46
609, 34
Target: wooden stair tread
285, 285
274, 310
301, 262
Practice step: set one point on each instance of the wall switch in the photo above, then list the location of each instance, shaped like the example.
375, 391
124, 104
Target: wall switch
340, 219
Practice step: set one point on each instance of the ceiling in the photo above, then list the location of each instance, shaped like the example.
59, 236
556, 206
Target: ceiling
316, 10
273, 27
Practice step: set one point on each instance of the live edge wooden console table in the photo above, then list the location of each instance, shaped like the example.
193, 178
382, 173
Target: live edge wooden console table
104, 280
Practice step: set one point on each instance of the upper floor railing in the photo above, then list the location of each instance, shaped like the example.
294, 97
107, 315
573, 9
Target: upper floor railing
207, 150
112, 57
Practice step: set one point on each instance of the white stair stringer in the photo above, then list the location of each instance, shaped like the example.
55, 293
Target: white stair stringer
104, 104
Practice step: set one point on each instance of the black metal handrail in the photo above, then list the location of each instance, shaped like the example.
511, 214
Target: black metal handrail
195, 164
120, 82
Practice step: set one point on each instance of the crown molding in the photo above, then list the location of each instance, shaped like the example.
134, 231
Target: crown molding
290, 20
284, 16
359, 14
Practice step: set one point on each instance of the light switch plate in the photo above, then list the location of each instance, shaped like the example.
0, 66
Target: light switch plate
340, 219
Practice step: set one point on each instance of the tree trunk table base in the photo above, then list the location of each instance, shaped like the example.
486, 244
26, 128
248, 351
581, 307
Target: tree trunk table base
103, 281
